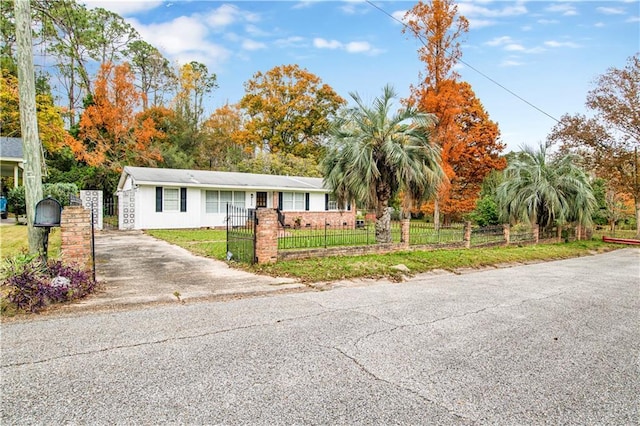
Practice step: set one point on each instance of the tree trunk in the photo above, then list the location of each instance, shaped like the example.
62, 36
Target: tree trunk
383, 223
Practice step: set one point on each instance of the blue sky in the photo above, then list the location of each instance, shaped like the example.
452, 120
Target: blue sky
546, 52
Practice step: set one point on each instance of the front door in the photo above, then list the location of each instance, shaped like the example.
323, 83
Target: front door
261, 199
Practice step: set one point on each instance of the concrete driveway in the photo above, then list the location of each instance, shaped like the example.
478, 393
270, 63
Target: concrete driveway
135, 268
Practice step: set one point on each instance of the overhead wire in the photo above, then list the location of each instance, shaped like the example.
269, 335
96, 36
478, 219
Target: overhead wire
421, 39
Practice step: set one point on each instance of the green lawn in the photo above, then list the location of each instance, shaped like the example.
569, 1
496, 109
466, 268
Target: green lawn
204, 242
379, 266
14, 241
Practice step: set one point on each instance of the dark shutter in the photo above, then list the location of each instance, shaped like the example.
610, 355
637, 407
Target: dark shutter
279, 200
306, 201
326, 201
158, 198
183, 199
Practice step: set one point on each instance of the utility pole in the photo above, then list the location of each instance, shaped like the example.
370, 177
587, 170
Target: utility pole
31, 148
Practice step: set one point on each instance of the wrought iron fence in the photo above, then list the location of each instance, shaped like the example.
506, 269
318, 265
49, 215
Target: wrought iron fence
423, 233
487, 235
241, 234
326, 236
521, 234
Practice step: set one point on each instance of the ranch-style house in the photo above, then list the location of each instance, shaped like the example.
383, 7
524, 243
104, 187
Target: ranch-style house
153, 198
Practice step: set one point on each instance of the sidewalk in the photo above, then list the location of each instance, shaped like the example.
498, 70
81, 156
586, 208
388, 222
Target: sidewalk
135, 268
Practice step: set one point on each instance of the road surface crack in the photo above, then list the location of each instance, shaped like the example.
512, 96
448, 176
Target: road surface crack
417, 394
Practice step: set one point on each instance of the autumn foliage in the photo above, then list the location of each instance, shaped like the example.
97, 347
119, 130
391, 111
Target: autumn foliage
468, 138
111, 133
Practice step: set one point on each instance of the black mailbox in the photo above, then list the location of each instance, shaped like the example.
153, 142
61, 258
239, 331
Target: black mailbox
48, 212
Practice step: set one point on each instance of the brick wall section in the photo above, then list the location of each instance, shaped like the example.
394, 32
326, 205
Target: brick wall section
75, 231
335, 218
267, 236
341, 251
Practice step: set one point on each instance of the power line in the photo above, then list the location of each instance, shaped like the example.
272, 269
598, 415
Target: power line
511, 92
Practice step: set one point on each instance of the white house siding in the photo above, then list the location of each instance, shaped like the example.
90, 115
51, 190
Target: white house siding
148, 218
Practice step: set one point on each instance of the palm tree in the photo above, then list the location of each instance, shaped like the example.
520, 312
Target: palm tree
538, 191
373, 157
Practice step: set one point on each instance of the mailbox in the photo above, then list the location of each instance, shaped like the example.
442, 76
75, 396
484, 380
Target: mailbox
48, 212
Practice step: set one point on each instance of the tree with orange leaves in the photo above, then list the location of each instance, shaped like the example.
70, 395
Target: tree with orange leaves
110, 133
468, 138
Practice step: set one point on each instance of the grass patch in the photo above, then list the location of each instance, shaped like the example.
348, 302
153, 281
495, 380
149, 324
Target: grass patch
14, 241
379, 266
203, 242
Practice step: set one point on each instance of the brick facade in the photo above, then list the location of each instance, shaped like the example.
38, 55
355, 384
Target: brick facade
75, 232
305, 219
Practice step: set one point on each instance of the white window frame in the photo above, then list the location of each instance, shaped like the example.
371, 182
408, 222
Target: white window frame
238, 199
167, 200
212, 206
293, 201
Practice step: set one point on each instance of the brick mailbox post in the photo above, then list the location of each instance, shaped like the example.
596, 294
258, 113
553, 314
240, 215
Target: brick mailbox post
75, 232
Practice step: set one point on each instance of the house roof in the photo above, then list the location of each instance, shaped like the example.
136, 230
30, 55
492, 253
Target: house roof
205, 178
10, 147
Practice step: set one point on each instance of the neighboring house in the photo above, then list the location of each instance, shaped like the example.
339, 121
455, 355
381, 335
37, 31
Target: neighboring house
11, 161
150, 198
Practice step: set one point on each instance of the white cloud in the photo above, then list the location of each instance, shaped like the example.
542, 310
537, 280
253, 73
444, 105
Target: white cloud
611, 10
123, 7
399, 15
499, 41
351, 47
480, 23
227, 15
182, 45
599, 25
321, 43
634, 19
253, 45
352, 7
514, 47
548, 21
553, 43
294, 41
358, 47
566, 9
473, 9
511, 63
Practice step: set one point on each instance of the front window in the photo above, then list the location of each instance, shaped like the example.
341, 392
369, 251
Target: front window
216, 201
212, 202
171, 199
293, 200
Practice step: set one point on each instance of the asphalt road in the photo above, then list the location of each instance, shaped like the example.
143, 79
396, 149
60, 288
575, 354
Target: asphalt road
550, 343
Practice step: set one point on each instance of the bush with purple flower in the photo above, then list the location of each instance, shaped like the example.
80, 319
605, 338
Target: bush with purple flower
29, 285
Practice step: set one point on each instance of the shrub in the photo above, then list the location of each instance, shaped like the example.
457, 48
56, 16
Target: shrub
59, 191
29, 285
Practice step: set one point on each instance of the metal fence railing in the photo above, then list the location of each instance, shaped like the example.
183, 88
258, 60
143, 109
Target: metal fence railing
487, 235
326, 236
423, 233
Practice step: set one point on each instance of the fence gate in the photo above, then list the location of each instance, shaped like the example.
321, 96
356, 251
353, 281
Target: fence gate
241, 234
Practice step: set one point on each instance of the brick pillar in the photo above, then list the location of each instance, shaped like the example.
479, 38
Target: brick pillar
405, 226
75, 231
506, 231
267, 236
467, 234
